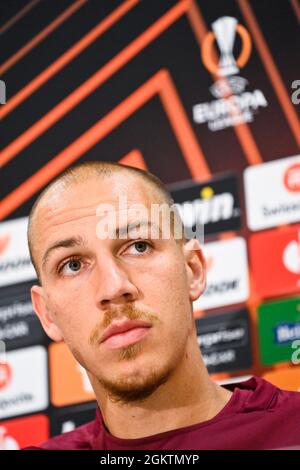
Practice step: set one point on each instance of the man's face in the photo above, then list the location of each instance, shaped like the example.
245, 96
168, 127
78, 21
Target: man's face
94, 283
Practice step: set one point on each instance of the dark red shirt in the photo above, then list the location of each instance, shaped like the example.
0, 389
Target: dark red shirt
257, 416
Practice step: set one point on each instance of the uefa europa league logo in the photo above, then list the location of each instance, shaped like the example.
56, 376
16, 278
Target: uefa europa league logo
225, 30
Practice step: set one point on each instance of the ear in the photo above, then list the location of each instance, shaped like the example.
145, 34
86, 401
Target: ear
196, 268
45, 317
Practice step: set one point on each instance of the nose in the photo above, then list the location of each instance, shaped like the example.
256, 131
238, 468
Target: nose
114, 286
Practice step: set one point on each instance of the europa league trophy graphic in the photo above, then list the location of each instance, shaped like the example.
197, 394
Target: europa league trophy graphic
225, 30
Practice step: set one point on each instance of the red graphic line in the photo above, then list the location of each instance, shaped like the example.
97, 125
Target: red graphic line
271, 69
18, 16
91, 84
242, 131
41, 36
67, 57
160, 83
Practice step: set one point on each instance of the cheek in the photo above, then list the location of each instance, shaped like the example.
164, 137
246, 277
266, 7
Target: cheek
165, 289
69, 295
170, 279
69, 311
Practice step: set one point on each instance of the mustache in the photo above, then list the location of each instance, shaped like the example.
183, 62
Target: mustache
129, 312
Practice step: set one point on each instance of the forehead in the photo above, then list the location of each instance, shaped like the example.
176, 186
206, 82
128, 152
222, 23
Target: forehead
65, 207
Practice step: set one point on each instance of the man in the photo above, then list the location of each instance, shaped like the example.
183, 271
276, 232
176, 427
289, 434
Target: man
119, 293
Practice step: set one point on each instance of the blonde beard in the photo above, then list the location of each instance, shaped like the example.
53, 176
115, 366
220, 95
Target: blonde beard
127, 390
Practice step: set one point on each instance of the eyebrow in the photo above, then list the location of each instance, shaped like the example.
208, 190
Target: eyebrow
66, 243
121, 231
80, 241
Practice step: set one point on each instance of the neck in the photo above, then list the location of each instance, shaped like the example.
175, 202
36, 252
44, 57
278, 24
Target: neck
188, 397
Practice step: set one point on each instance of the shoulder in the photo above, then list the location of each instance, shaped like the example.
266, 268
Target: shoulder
266, 396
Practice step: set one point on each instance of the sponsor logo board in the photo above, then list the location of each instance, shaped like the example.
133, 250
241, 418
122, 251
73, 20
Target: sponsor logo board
18, 433
278, 329
66, 419
19, 325
15, 264
69, 382
227, 276
214, 204
272, 193
224, 340
275, 261
24, 384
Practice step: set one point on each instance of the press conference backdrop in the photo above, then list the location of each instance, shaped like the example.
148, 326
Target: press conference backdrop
204, 94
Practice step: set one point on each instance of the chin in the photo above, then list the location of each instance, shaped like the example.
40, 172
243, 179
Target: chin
131, 389
134, 383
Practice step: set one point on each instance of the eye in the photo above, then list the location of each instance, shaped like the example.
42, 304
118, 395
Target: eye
71, 265
140, 246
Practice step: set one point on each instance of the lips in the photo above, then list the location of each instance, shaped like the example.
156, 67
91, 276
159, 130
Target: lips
117, 331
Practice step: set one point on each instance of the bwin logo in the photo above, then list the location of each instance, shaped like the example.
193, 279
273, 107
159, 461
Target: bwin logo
211, 208
2, 92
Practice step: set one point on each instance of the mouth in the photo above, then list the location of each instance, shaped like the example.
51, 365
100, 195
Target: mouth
125, 333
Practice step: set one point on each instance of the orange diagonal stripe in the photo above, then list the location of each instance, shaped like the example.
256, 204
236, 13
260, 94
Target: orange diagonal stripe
182, 128
134, 158
156, 84
296, 8
65, 58
92, 83
40, 36
105, 125
271, 69
18, 16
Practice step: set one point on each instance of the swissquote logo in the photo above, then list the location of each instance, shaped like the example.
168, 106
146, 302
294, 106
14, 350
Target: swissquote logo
15, 264
292, 178
233, 105
279, 202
